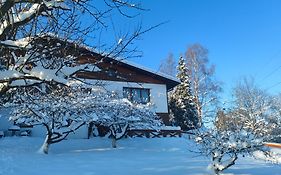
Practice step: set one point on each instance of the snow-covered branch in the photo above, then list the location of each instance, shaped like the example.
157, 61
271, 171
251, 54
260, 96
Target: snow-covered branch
66, 109
29, 29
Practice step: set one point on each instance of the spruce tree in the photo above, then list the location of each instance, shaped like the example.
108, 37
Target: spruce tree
181, 101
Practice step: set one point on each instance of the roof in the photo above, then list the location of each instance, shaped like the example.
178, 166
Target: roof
170, 81
151, 71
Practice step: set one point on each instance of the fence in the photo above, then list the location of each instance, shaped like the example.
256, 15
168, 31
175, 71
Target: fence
153, 133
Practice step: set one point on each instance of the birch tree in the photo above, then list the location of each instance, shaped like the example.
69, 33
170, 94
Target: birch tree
204, 87
168, 65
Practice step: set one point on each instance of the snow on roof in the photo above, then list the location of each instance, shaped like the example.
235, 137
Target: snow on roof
149, 70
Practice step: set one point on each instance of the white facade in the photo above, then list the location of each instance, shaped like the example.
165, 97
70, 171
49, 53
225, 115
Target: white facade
158, 92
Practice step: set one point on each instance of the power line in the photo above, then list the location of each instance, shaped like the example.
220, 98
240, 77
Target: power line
271, 73
273, 86
267, 63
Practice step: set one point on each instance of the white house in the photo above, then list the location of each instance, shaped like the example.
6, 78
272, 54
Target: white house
135, 82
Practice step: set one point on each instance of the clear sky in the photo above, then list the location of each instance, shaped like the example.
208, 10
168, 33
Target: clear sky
243, 36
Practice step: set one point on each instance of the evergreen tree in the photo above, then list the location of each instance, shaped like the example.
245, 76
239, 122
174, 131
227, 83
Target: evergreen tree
181, 101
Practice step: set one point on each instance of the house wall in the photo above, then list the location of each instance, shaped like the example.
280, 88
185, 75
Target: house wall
158, 92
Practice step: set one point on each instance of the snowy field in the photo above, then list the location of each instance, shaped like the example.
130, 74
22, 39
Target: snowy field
138, 156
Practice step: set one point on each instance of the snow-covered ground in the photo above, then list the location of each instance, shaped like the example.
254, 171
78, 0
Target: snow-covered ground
138, 156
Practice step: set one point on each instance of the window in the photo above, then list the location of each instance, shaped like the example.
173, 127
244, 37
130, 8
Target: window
137, 95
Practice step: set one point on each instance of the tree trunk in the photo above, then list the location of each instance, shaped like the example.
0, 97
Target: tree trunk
114, 141
113, 135
45, 147
219, 165
90, 130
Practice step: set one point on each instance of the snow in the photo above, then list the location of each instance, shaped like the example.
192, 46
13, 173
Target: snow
176, 128
23, 42
120, 41
122, 60
7, 74
52, 74
138, 156
18, 17
26, 14
273, 156
56, 4
14, 127
43, 74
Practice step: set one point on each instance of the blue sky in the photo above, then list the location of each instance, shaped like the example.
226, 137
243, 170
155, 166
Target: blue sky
243, 36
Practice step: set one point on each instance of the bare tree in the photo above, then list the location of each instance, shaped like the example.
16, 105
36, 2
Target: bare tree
168, 65
204, 87
254, 104
29, 55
